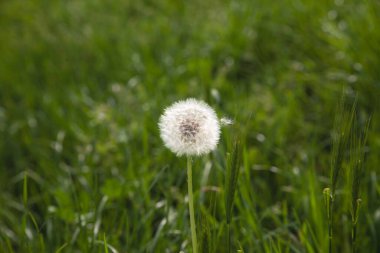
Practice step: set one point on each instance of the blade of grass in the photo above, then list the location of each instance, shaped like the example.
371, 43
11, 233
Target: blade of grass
358, 142
342, 130
232, 173
105, 243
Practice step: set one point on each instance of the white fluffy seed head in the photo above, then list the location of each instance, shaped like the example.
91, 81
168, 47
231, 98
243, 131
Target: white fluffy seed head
190, 127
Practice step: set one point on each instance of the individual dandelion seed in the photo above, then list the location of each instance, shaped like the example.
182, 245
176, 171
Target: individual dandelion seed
226, 121
190, 127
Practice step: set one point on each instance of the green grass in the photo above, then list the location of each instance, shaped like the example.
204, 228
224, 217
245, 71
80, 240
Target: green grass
82, 86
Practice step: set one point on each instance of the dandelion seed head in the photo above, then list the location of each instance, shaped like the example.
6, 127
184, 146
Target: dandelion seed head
190, 127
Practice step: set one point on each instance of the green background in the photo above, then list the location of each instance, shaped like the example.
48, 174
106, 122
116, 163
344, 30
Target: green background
82, 86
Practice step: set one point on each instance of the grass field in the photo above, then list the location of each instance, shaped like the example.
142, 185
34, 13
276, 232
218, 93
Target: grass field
82, 87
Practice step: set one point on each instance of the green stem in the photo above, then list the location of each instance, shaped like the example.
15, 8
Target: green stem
228, 238
331, 222
355, 217
353, 238
191, 205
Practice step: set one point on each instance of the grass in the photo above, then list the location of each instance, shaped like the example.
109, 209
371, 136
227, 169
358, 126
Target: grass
83, 83
231, 179
343, 127
357, 159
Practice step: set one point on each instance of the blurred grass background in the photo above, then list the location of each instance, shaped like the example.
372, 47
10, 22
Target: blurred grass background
83, 83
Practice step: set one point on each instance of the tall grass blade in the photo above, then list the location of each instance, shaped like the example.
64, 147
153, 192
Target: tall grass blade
342, 129
233, 168
105, 243
61, 248
25, 210
357, 155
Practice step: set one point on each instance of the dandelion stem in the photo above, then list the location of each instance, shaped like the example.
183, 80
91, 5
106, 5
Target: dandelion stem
191, 205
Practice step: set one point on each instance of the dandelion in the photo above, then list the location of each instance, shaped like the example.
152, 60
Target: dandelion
190, 128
